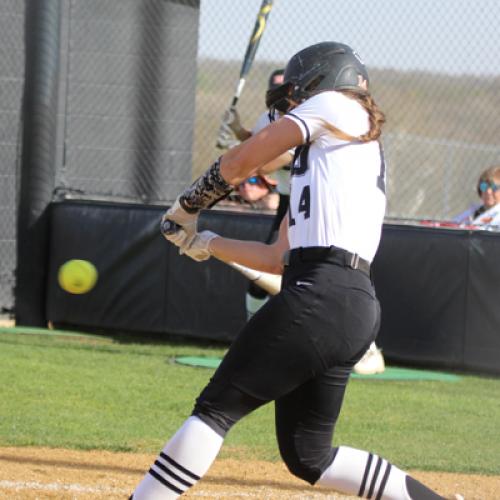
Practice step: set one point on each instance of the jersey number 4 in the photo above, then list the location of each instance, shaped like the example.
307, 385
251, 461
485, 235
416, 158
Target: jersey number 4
300, 167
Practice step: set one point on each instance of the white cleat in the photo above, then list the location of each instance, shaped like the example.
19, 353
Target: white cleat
372, 362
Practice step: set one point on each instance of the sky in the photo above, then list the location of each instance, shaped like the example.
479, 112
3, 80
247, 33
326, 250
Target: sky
445, 36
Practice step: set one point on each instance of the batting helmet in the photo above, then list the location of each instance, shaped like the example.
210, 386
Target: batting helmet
320, 67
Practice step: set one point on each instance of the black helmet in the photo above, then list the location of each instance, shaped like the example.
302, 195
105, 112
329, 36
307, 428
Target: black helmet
323, 66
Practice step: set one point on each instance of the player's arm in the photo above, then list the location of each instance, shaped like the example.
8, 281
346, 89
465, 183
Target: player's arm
270, 143
231, 169
253, 254
282, 161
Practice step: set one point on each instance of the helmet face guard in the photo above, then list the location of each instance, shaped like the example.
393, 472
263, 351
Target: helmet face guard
320, 67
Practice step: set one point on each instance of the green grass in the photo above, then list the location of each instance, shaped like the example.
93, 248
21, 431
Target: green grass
123, 395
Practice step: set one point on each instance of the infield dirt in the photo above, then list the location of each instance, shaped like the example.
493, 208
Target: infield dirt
45, 473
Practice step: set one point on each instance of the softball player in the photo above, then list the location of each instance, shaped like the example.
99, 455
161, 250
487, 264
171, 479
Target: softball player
298, 350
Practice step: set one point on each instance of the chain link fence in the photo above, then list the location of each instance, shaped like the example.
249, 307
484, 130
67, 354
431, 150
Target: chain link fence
130, 68
433, 70
11, 89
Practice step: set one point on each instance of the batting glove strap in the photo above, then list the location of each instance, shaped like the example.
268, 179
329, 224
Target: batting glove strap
206, 191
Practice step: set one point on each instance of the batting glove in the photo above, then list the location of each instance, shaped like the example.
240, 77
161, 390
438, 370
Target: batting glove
176, 213
199, 248
232, 119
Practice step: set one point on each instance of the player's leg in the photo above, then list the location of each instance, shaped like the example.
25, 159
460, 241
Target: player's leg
241, 384
305, 422
255, 298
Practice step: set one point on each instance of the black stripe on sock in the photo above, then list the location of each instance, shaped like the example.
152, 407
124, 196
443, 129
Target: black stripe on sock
374, 478
365, 475
384, 481
165, 482
180, 467
172, 474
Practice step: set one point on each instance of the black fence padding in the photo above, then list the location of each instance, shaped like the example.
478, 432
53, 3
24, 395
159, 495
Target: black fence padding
42, 33
438, 288
482, 317
144, 284
421, 280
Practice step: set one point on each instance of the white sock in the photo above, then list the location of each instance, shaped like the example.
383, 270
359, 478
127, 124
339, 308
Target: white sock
182, 462
357, 472
253, 304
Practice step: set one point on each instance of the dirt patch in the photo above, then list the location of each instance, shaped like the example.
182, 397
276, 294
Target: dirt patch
42, 473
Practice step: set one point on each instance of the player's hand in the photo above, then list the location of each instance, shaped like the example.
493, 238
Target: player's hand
199, 248
196, 247
179, 238
232, 119
176, 213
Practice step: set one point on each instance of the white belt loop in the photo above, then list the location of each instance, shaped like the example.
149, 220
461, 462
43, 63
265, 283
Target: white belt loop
354, 261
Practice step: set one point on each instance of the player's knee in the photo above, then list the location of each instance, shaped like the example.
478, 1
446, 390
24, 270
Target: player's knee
220, 407
304, 458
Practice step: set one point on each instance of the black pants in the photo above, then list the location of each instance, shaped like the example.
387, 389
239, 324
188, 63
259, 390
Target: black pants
298, 350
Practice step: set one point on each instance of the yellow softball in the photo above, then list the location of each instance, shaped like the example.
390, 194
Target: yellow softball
77, 276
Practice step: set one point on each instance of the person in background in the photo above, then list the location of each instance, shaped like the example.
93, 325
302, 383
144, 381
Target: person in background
486, 214
255, 193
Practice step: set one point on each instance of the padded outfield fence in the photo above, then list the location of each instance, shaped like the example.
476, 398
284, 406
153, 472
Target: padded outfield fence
142, 85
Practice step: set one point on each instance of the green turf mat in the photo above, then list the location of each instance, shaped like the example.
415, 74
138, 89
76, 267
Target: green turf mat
390, 373
27, 330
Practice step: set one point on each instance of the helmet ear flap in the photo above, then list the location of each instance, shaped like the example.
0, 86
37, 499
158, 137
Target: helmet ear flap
314, 83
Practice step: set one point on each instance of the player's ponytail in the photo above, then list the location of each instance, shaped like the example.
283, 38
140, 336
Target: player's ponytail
375, 116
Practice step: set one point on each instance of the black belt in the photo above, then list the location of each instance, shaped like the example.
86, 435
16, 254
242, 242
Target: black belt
332, 254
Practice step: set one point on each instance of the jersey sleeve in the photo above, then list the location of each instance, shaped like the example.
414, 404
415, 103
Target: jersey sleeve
314, 115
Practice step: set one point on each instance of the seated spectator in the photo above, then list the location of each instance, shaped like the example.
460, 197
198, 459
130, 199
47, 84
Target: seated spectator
485, 215
255, 193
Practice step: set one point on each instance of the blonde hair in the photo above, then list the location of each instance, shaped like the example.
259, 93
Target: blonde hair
376, 118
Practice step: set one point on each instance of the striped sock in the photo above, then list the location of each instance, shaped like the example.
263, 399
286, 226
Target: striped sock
357, 472
181, 463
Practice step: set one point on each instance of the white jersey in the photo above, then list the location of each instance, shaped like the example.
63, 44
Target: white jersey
282, 176
337, 187
490, 219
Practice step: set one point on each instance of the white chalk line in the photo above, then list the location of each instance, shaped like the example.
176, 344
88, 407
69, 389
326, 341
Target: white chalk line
80, 488
75, 487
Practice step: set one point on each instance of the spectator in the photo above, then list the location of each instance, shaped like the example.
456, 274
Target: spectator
485, 215
255, 193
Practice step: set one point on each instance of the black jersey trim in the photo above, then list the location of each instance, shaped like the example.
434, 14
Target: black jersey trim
308, 134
